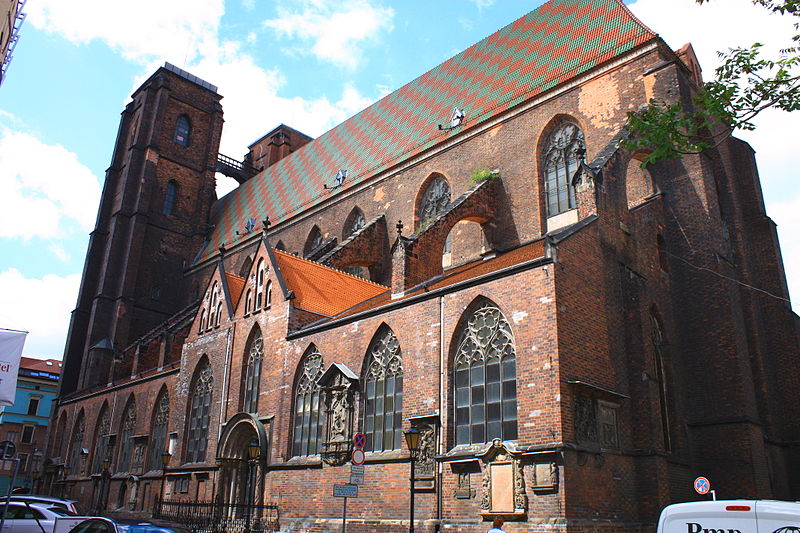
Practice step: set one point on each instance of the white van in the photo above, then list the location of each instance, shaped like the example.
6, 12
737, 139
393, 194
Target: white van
731, 516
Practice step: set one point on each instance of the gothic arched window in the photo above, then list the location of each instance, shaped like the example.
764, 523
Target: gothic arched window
170, 195
158, 444
77, 445
307, 419
126, 436
313, 241
560, 160
182, 130
485, 378
355, 221
383, 393
261, 276
102, 438
199, 413
661, 375
434, 200
253, 374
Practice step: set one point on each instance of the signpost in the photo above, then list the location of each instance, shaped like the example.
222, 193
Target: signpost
345, 490
350, 490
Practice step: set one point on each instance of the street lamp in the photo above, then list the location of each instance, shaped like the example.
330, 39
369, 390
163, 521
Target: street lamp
253, 449
105, 477
65, 471
412, 441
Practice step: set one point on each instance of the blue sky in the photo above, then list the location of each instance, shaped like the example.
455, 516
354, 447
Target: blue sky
307, 63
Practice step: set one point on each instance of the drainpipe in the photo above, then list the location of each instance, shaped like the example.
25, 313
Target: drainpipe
442, 414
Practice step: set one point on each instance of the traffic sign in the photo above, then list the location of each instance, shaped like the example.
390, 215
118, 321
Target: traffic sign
702, 485
345, 490
356, 479
358, 456
7, 449
356, 469
359, 440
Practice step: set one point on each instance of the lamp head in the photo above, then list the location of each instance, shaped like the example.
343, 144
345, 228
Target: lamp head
253, 449
412, 439
165, 457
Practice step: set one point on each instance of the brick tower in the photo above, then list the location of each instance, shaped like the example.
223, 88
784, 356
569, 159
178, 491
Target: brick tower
152, 220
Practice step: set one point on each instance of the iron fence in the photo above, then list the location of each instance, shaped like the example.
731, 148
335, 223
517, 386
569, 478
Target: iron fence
211, 517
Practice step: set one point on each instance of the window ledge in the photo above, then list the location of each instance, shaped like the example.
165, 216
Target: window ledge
562, 220
306, 461
388, 456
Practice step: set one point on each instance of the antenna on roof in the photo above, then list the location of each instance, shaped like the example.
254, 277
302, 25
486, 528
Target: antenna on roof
457, 118
338, 180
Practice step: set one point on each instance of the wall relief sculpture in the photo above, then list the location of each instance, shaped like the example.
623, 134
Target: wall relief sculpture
425, 465
338, 385
503, 487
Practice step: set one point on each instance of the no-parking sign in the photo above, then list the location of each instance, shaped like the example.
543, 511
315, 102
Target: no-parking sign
702, 485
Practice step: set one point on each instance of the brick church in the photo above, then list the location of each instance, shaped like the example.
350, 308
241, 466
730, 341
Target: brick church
476, 256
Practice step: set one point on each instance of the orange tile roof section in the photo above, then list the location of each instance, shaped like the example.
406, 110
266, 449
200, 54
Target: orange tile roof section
235, 286
321, 289
30, 363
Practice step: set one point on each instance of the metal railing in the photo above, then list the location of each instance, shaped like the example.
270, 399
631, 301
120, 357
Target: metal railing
211, 517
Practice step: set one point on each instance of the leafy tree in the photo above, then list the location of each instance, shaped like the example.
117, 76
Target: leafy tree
745, 84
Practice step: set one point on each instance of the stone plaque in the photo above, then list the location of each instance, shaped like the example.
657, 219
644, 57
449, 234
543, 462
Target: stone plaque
502, 476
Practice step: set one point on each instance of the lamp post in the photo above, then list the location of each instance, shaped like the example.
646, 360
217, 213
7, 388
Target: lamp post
412, 441
253, 451
105, 478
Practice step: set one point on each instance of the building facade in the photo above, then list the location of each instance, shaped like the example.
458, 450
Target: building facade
11, 22
476, 256
26, 422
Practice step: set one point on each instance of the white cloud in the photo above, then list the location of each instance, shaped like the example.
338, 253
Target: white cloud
178, 29
335, 29
46, 190
59, 251
40, 306
708, 28
483, 4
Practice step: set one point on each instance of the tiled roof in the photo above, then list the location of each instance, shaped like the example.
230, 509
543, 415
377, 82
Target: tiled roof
538, 52
52, 366
321, 289
235, 286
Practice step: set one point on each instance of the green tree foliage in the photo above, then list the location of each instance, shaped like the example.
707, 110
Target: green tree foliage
745, 84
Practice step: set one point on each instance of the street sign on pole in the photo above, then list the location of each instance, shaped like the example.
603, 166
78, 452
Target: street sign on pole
356, 479
359, 440
358, 457
345, 490
356, 469
702, 485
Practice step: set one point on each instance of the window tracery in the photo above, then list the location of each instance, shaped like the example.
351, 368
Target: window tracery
102, 439
434, 201
560, 160
307, 419
485, 378
253, 373
126, 447
158, 443
199, 414
383, 394
77, 444
354, 222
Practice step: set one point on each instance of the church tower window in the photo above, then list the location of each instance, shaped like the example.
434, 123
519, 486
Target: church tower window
485, 378
559, 162
182, 130
307, 419
169, 198
383, 393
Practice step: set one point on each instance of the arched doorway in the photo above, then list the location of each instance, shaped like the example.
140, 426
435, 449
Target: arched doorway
241, 475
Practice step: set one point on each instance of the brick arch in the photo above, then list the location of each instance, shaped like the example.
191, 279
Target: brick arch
75, 448
640, 184
97, 440
542, 145
191, 436
350, 221
295, 444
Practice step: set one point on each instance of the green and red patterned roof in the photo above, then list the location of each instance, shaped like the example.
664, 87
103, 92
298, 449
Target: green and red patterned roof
542, 50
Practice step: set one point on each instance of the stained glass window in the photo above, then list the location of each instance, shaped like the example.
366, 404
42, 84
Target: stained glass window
158, 443
560, 161
383, 393
102, 438
126, 436
307, 409
77, 445
485, 378
253, 374
199, 414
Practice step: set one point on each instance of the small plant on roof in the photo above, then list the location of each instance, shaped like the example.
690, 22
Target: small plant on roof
482, 174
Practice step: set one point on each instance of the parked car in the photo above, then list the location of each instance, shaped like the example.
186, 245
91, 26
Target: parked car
70, 505
108, 525
728, 516
26, 517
